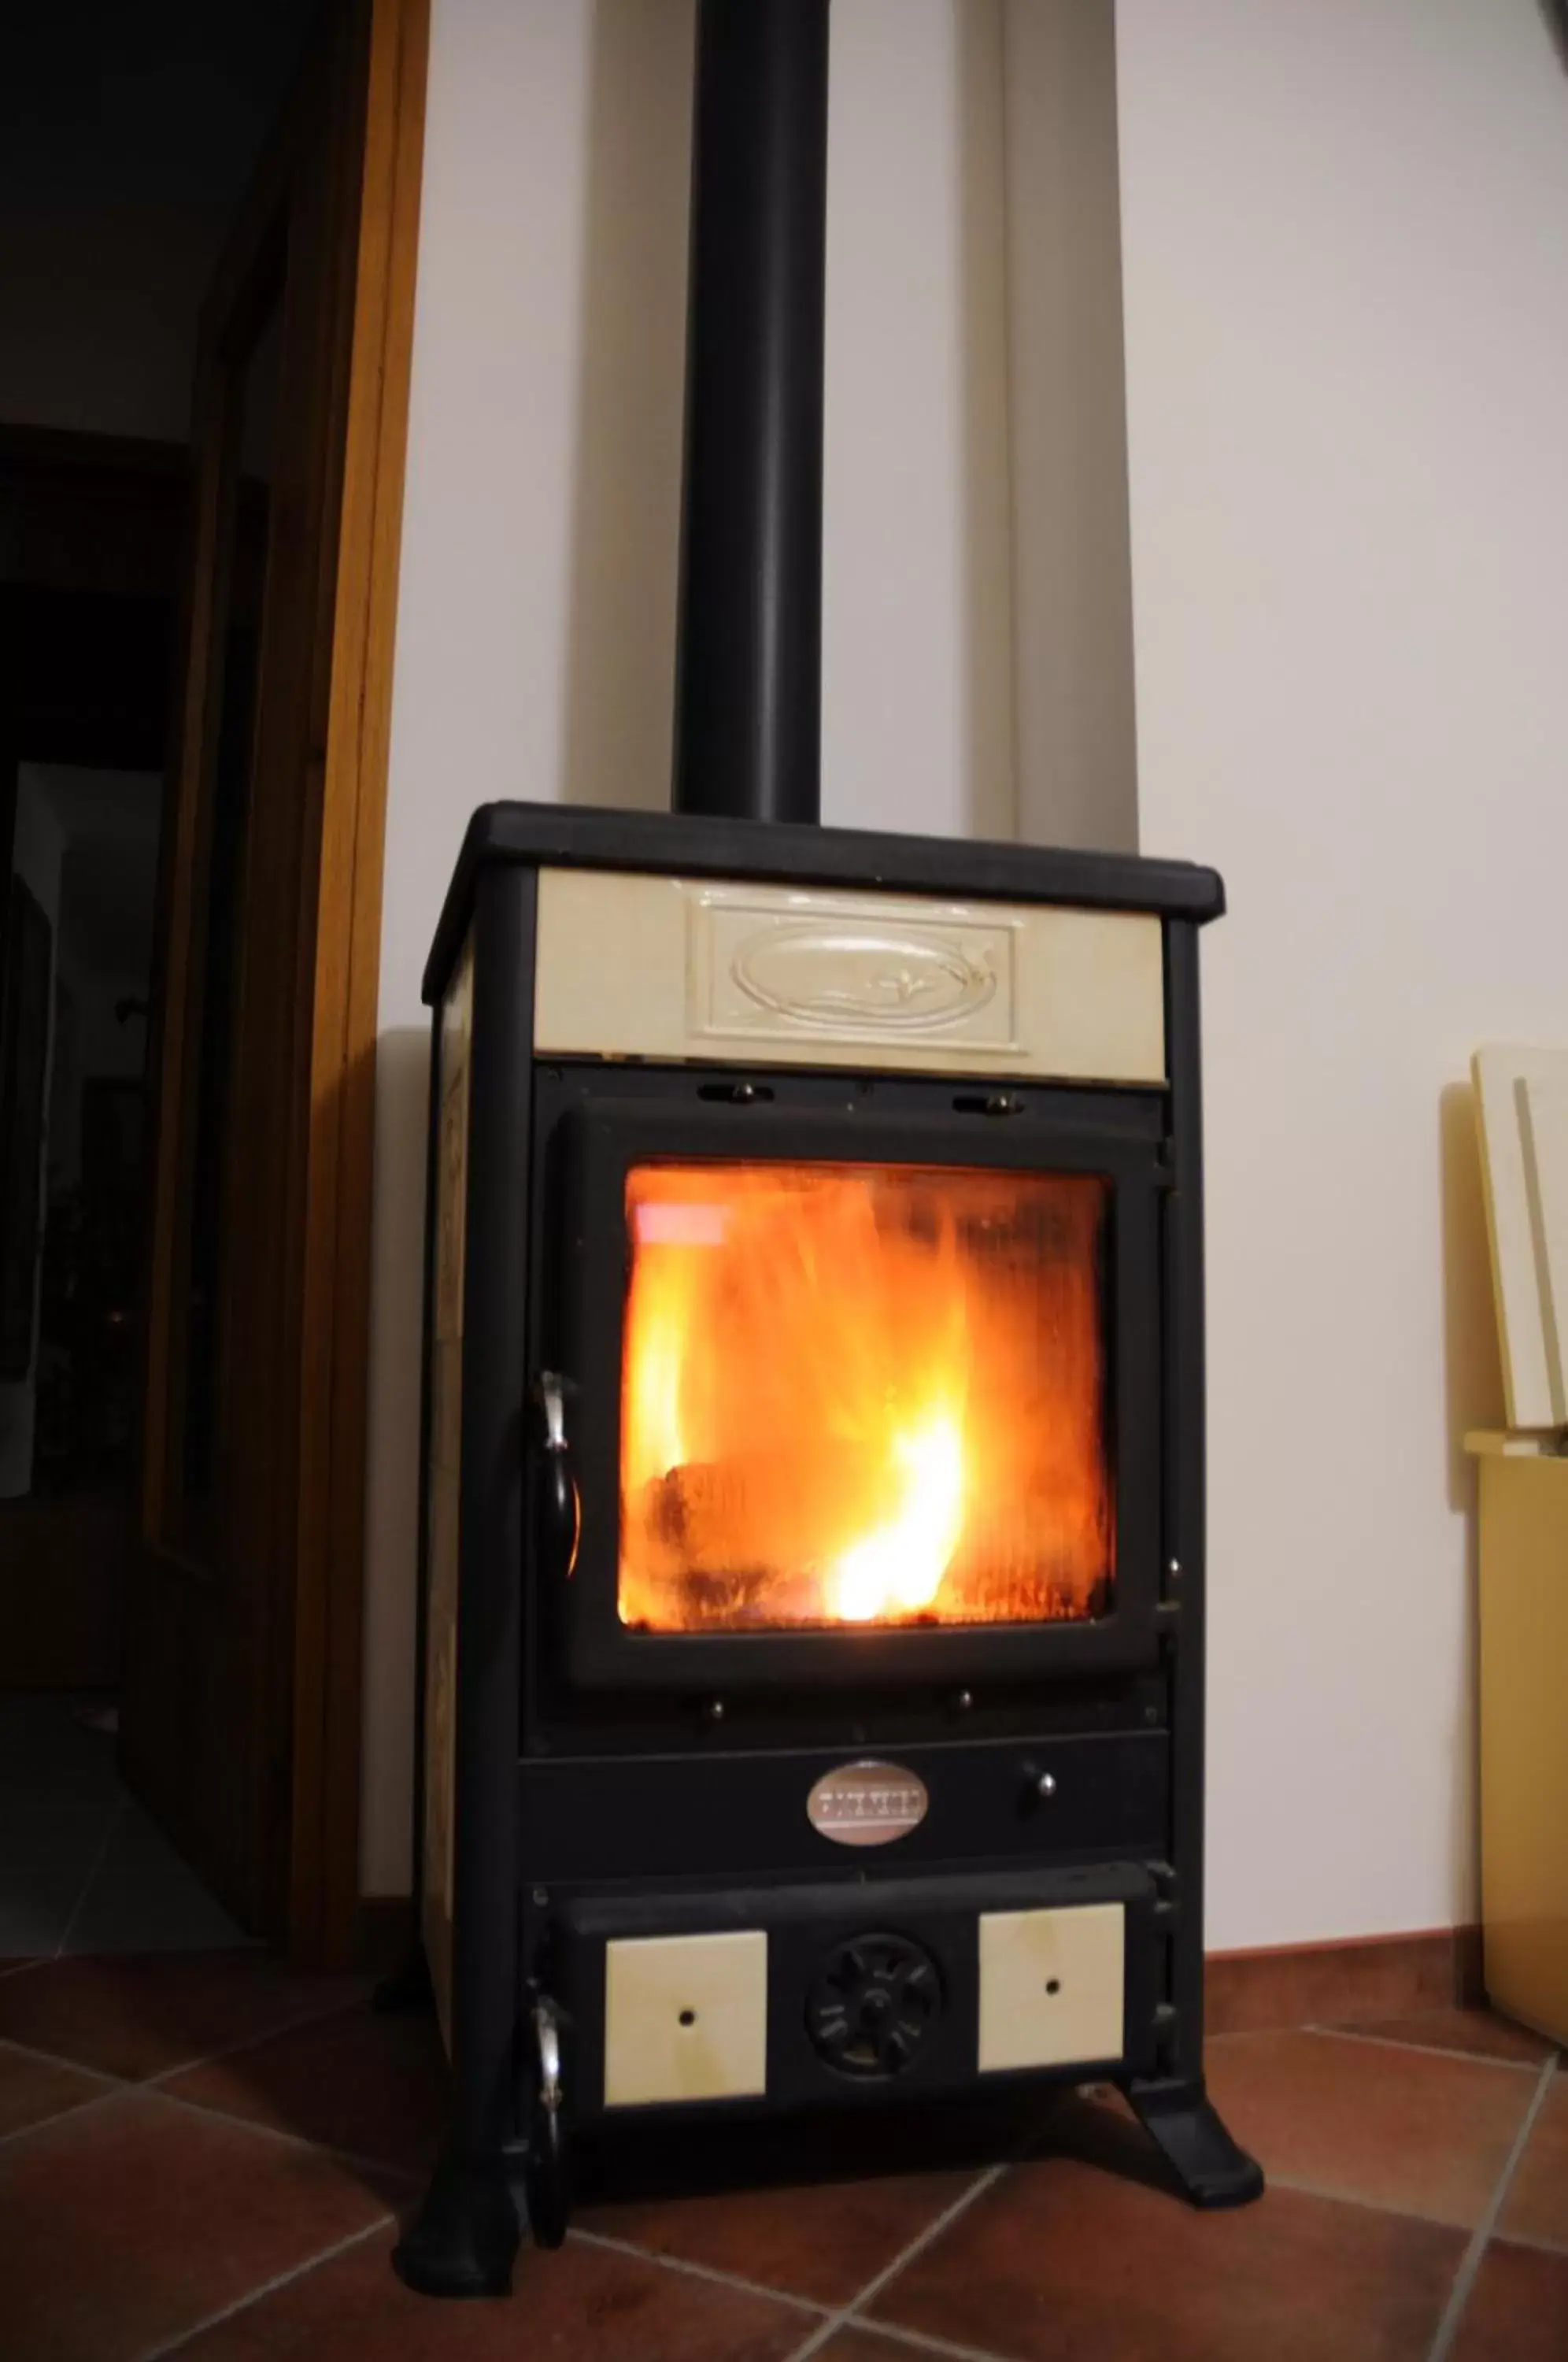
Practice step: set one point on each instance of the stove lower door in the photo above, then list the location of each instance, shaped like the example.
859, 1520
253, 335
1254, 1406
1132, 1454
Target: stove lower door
836, 1395
846, 1994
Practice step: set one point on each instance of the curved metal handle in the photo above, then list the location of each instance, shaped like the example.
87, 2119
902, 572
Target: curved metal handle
560, 1504
547, 2035
545, 2176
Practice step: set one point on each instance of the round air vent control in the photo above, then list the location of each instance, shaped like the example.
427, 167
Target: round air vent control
873, 2004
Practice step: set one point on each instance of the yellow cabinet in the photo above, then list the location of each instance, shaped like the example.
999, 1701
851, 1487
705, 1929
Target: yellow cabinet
1524, 1730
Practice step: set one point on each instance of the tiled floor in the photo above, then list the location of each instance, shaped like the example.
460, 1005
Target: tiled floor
82, 1867
207, 2155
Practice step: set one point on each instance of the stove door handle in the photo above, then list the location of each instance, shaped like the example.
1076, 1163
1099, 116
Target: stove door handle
560, 1504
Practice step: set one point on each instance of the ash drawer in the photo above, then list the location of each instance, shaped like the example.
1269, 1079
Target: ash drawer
755, 1997
659, 1816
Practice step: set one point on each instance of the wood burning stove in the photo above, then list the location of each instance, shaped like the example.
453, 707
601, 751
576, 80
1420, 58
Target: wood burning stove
813, 1604
811, 1613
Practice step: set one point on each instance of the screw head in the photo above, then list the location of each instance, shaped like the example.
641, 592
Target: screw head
965, 1701
1046, 1785
1173, 1570
714, 1710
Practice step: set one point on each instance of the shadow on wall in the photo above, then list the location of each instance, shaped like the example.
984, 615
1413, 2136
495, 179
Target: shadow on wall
987, 462
392, 1501
1473, 1388
1473, 1364
626, 540
1556, 14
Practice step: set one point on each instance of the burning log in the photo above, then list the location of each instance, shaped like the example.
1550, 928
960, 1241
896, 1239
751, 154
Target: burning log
783, 1509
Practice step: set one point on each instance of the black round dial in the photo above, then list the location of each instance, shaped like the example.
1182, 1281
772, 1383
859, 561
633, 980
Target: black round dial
873, 2004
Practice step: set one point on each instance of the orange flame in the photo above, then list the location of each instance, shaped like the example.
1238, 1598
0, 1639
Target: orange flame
900, 1566
857, 1393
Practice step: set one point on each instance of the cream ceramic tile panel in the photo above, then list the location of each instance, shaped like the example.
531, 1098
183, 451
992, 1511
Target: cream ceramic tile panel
676, 968
1546, 1102
685, 2018
1522, 1099
1051, 1986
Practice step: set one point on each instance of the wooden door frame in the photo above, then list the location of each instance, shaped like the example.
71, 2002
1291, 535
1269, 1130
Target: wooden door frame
314, 1712
324, 1904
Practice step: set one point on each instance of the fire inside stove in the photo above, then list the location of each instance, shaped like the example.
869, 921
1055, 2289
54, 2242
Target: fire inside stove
857, 1393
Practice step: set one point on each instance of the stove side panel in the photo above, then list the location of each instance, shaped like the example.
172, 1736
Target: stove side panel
451, 1082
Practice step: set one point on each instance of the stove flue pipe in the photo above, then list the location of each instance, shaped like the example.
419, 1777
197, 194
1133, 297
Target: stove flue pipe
748, 689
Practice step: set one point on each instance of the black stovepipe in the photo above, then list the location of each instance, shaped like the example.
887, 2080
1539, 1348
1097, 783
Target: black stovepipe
748, 692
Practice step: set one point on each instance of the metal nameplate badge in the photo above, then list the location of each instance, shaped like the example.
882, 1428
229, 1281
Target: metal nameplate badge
867, 1804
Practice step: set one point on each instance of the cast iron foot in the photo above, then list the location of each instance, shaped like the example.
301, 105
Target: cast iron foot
1211, 2169
464, 2237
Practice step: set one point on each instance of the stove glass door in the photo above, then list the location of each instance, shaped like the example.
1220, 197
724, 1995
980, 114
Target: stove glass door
863, 1395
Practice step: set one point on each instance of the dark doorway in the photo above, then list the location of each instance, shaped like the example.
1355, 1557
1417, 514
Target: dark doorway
94, 537
129, 140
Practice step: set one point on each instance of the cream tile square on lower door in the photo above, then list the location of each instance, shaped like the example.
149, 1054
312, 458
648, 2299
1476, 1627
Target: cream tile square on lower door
1051, 1985
685, 2018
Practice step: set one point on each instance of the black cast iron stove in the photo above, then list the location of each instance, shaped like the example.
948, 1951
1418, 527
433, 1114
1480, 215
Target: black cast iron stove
811, 1607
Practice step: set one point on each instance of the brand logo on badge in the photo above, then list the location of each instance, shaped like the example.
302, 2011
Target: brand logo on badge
867, 1804
841, 973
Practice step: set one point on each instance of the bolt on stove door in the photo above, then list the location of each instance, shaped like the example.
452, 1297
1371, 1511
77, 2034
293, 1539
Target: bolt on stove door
849, 1396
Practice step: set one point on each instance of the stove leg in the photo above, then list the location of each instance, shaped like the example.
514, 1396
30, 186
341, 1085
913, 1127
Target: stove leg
464, 2239
1212, 2170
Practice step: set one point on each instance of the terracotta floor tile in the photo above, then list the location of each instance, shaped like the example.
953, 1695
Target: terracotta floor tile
823, 2242
583, 2305
1063, 2263
372, 2082
1518, 2309
867, 2345
1475, 2030
1423, 2134
141, 2014
1537, 2205
128, 2223
1252, 1992
32, 2089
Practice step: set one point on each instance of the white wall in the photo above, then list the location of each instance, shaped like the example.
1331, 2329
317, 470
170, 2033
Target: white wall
1346, 249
